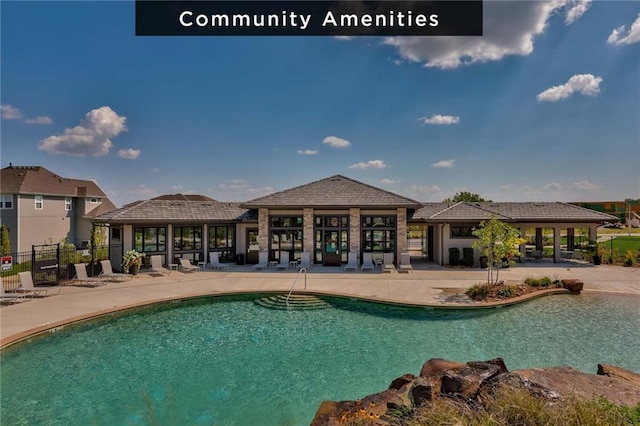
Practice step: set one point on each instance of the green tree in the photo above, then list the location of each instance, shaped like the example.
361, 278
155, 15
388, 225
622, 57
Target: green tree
465, 196
5, 241
497, 240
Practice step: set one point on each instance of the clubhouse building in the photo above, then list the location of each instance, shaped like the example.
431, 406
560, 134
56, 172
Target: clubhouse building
329, 218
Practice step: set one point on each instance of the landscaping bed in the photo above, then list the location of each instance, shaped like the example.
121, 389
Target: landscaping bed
487, 292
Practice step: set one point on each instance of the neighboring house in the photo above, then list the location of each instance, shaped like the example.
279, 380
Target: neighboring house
327, 218
40, 207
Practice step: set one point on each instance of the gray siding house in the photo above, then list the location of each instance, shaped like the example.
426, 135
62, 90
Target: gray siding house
40, 207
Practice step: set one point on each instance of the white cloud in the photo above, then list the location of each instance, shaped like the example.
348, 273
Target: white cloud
506, 188
264, 190
142, 190
618, 37
388, 181
510, 28
440, 119
91, 137
307, 152
234, 184
177, 188
336, 142
41, 119
575, 9
585, 84
553, 186
417, 191
445, 164
129, 153
343, 38
371, 164
583, 185
10, 112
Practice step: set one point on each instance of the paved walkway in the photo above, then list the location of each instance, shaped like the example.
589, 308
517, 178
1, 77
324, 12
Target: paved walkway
435, 286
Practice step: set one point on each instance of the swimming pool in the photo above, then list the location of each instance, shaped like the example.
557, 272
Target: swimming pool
229, 361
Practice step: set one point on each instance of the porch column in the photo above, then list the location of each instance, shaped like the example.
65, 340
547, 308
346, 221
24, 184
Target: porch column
169, 243
593, 232
571, 242
263, 230
354, 231
522, 248
539, 245
556, 244
205, 242
307, 232
401, 223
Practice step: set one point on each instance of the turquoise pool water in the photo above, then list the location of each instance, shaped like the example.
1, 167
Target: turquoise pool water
228, 361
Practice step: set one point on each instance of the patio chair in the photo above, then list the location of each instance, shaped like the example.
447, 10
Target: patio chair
263, 261
156, 266
27, 287
10, 298
305, 260
186, 266
214, 261
387, 262
284, 260
367, 262
107, 272
352, 261
405, 263
83, 278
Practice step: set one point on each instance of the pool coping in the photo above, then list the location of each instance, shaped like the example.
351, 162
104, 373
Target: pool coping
59, 325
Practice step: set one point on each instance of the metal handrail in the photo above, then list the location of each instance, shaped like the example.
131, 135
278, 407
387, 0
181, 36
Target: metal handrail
303, 269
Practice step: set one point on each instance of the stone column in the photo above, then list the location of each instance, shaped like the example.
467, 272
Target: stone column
556, 244
205, 242
539, 245
308, 236
593, 232
522, 248
354, 231
169, 243
401, 233
571, 242
263, 230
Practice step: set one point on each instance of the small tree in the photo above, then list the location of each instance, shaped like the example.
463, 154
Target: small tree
465, 196
497, 241
5, 241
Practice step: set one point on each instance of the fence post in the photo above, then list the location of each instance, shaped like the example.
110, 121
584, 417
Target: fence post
58, 268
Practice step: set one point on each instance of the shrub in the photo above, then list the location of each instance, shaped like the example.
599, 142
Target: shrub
533, 282
629, 259
540, 282
479, 291
454, 256
467, 256
507, 292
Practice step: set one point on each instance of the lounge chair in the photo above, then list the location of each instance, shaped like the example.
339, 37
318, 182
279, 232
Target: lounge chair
214, 261
305, 261
107, 272
367, 262
27, 287
263, 261
10, 298
284, 260
83, 278
352, 262
387, 261
156, 266
186, 266
405, 263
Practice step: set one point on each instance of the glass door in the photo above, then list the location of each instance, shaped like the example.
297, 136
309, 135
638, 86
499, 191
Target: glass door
331, 248
252, 246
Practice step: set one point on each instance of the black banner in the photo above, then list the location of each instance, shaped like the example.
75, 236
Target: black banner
324, 18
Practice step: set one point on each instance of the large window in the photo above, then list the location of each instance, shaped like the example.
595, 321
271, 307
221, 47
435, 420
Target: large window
150, 240
286, 237
222, 238
378, 235
462, 231
6, 201
331, 238
187, 242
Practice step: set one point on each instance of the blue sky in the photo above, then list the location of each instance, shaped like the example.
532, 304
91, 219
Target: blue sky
544, 106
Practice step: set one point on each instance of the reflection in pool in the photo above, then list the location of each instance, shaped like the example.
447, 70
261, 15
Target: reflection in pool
229, 361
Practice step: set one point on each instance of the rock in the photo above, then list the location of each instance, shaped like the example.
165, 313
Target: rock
499, 362
401, 381
574, 286
437, 365
466, 381
423, 390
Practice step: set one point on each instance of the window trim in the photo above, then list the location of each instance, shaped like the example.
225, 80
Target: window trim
38, 199
68, 204
4, 199
462, 237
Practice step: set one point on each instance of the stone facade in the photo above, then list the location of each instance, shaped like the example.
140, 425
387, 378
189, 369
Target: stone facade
354, 230
307, 231
401, 223
263, 229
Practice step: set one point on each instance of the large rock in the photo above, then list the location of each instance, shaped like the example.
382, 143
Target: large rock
476, 382
574, 286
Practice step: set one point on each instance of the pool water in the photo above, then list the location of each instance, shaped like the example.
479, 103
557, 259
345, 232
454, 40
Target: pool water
228, 361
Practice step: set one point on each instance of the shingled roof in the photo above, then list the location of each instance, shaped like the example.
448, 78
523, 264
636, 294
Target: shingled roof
510, 212
334, 191
40, 181
176, 208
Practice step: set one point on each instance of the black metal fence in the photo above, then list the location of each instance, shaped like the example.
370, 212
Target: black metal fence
52, 263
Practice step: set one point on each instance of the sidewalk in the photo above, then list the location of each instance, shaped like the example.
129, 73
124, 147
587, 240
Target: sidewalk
431, 287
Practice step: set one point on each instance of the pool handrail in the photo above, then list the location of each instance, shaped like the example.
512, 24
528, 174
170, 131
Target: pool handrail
303, 269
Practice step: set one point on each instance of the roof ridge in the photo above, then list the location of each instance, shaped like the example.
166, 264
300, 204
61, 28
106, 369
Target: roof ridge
442, 211
477, 206
129, 206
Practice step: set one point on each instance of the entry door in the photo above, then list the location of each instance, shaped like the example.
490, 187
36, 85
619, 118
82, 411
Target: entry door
331, 249
252, 246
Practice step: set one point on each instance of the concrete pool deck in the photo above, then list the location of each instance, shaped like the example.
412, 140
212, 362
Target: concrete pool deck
434, 286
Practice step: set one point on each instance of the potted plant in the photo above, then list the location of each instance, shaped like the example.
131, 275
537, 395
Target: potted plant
132, 261
595, 251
